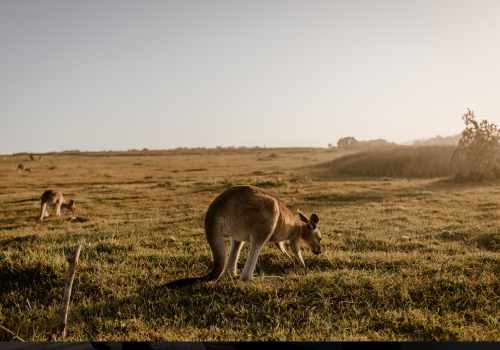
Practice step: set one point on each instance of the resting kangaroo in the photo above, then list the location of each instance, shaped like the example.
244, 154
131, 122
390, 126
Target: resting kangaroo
248, 214
54, 199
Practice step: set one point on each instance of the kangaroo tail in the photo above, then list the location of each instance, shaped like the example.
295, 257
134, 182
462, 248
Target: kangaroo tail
216, 243
213, 275
185, 282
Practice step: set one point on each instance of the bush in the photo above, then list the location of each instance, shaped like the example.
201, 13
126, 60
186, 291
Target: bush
477, 154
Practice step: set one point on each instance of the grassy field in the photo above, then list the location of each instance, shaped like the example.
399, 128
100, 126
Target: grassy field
403, 259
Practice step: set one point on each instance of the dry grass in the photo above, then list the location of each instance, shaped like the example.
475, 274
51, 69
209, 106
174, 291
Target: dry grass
396, 161
404, 260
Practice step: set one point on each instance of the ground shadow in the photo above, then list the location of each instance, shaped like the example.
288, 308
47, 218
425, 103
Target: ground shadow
449, 184
488, 241
21, 279
18, 241
345, 198
25, 200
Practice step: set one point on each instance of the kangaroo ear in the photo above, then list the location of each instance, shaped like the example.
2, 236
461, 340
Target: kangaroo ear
303, 217
314, 219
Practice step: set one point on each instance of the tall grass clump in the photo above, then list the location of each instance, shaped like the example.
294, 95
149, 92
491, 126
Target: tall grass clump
398, 161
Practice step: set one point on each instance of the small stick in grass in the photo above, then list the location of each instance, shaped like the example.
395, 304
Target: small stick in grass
70, 277
12, 333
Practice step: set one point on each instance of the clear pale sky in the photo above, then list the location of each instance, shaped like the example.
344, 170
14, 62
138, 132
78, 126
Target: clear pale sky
98, 75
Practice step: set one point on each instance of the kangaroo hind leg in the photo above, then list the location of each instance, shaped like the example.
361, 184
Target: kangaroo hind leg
218, 248
58, 208
247, 273
232, 265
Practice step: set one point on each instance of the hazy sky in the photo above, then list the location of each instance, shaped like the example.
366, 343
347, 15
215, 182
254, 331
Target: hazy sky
96, 75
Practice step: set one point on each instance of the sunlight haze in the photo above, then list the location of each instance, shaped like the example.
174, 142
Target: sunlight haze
118, 75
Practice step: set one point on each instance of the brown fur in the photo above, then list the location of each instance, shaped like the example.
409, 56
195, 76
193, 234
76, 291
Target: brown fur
249, 214
51, 198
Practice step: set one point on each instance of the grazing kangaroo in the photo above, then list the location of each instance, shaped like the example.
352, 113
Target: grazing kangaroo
50, 198
21, 167
248, 214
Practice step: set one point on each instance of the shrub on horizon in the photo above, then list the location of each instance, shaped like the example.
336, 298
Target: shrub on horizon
476, 157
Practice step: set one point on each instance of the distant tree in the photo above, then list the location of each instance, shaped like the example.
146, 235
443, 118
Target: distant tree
477, 154
347, 142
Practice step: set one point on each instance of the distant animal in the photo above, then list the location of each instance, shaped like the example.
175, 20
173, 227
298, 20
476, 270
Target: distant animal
21, 167
51, 198
249, 214
35, 157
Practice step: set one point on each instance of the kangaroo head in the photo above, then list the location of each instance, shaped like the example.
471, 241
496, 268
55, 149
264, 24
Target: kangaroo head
312, 236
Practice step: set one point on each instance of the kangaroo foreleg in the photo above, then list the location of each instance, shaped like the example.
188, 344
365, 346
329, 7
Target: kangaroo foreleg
43, 211
298, 254
281, 246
